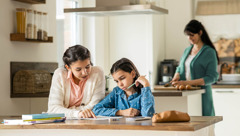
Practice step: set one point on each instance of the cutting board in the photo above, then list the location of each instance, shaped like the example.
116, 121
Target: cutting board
161, 87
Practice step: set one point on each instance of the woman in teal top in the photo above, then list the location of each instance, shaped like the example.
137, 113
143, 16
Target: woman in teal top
198, 65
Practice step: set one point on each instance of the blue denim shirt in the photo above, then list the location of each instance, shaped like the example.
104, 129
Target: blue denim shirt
117, 100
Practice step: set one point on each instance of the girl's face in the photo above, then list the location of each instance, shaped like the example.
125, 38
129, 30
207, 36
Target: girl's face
80, 69
123, 79
194, 38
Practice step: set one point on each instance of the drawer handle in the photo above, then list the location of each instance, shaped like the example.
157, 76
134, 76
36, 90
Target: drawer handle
224, 91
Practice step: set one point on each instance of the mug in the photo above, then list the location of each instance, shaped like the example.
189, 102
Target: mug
166, 78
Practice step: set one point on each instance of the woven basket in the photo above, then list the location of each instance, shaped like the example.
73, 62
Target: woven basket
31, 81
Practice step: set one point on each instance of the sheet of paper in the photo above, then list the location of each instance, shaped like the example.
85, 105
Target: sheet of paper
98, 118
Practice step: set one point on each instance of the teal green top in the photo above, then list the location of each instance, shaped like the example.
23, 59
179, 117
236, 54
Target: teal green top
203, 65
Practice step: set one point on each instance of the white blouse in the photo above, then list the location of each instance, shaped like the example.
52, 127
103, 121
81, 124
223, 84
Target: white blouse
187, 67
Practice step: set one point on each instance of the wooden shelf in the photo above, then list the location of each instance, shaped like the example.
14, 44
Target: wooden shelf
29, 95
21, 38
32, 1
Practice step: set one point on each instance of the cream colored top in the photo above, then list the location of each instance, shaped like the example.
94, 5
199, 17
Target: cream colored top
187, 67
59, 96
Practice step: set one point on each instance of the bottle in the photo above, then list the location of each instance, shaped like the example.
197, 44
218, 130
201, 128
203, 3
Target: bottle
35, 25
44, 27
39, 26
21, 20
29, 24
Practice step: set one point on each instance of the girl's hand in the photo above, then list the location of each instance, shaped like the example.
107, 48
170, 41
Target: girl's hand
86, 114
142, 80
128, 112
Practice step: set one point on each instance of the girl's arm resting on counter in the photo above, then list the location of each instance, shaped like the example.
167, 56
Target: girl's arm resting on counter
147, 102
106, 107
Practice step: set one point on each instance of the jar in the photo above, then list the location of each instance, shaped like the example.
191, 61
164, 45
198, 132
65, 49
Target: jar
44, 27
21, 20
35, 25
39, 25
29, 24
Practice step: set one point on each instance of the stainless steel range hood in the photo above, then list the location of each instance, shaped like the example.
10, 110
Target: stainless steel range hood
118, 10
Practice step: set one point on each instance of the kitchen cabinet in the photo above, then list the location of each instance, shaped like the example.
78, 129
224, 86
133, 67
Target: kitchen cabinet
226, 103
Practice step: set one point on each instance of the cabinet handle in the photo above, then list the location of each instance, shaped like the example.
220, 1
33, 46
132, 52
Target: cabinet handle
224, 91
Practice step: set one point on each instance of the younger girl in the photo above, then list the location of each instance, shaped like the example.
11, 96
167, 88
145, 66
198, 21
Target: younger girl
125, 100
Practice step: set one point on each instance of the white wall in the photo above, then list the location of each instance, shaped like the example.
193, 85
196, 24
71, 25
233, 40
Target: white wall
25, 52
180, 13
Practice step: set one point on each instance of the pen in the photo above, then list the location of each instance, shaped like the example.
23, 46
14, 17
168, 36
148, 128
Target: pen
133, 84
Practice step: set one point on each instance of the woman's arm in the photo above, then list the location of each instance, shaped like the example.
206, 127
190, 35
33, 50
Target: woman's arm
98, 91
107, 106
147, 102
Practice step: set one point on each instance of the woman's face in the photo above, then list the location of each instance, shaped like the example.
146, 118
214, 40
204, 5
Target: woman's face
123, 79
80, 69
194, 38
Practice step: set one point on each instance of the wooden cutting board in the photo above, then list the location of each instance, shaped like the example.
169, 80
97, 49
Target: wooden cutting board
161, 87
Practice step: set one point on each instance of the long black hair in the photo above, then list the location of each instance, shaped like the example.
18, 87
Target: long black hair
75, 53
195, 27
127, 65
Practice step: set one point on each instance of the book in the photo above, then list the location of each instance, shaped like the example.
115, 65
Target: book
137, 118
47, 120
42, 116
33, 121
15, 122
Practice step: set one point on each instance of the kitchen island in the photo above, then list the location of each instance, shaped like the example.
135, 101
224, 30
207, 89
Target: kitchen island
198, 126
189, 101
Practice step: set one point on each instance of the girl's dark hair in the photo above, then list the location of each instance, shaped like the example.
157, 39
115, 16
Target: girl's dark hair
75, 53
195, 27
127, 65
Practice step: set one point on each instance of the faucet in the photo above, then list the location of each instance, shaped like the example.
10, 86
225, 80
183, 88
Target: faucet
220, 73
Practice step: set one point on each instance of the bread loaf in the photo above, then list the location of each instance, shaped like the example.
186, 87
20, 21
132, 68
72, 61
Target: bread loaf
170, 116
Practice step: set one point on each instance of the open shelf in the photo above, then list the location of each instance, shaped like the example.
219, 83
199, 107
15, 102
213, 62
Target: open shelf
21, 38
32, 1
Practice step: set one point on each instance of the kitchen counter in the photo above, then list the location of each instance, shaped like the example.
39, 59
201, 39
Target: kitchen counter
189, 101
198, 125
225, 86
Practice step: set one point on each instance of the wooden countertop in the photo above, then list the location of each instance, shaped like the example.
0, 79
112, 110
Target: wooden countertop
159, 91
225, 86
173, 93
196, 123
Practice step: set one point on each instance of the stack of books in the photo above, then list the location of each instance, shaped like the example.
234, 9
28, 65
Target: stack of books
29, 119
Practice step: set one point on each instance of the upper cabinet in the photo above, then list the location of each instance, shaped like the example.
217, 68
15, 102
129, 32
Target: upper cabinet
32, 1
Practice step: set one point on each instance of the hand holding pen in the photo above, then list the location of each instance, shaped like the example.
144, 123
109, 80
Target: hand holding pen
141, 80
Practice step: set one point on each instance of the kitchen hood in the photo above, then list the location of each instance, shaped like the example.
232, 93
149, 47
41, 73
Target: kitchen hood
118, 10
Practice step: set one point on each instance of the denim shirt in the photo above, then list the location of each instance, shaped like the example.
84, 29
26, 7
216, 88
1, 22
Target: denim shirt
117, 100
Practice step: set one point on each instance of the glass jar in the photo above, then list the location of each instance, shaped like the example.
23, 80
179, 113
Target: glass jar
35, 25
44, 27
39, 25
21, 20
29, 24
